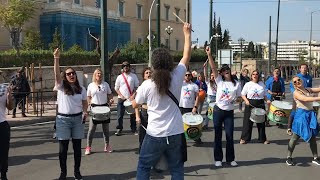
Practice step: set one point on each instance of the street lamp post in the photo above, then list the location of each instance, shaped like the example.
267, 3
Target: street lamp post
169, 31
311, 35
241, 40
216, 36
150, 35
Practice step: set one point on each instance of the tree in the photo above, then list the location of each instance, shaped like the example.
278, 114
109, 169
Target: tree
56, 40
14, 14
219, 32
32, 40
301, 56
250, 49
226, 40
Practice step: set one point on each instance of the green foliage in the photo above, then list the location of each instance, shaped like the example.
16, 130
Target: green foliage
75, 48
32, 40
14, 14
134, 53
56, 40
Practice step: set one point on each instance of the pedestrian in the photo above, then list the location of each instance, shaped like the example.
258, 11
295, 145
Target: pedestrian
211, 94
71, 116
6, 102
189, 98
125, 86
228, 91
165, 135
21, 90
98, 94
307, 82
203, 88
141, 112
244, 78
305, 124
254, 95
275, 89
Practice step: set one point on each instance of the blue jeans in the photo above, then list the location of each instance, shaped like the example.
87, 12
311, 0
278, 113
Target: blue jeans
120, 113
226, 117
151, 151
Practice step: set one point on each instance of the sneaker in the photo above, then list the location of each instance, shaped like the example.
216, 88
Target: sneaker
13, 116
242, 141
198, 141
136, 133
205, 127
289, 132
316, 161
233, 163
77, 176
63, 176
290, 162
118, 133
24, 115
108, 149
218, 164
266, 142
88, 150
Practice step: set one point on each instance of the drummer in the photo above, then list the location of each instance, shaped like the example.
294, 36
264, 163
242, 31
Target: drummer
307, 82
228, 91
201, 83
254, 95
98, 94
275, 89
305, 123
211, 93
189, 98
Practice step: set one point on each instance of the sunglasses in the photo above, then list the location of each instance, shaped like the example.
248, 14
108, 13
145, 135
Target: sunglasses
127, 65
255, 74
188, 75
298, 80
70, 73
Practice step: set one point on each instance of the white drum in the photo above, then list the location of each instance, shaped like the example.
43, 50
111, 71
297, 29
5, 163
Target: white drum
100, 113
192, 125
258, 115
128, 105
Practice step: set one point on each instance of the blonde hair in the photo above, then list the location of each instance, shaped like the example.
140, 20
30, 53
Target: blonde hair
94, 74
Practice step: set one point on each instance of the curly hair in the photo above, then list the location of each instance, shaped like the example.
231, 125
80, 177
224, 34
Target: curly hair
68, 90
144, 70
162, 63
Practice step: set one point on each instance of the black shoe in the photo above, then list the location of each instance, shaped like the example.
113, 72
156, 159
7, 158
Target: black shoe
280, 126
118, 133
205, 127
4, 176
77, 176
316, 161
289, 161
198, 141
63, 176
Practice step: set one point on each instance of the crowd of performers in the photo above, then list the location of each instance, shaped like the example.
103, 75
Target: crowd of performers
162, 104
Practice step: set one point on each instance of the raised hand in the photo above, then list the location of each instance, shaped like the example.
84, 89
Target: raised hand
187, 29
56, 53
208, 50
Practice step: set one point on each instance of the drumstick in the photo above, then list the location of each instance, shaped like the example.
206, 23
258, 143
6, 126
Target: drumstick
180, 19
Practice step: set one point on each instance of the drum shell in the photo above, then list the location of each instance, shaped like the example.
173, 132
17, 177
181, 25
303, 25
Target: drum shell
210, 111
257, 118
128, 106
272, 116
100, 116
192, 131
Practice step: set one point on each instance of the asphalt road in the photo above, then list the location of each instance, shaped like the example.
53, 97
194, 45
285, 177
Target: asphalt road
34, 155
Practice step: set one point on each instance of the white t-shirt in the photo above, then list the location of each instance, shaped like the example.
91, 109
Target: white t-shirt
188, 94
254, 90
212, 91
99, 93
3, 102
121, 85
227, 93
70, 104
164, 116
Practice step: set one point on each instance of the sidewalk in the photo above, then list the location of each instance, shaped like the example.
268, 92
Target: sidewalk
49, 115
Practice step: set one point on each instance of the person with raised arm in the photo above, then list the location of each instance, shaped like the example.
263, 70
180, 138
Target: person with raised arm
228, 91
71, 115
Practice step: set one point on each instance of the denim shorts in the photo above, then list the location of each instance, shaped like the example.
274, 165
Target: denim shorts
69, 127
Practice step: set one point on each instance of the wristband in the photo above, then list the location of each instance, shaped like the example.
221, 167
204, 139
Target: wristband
195, 107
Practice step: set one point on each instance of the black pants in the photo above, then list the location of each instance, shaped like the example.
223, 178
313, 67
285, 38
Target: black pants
4, 146
144, 122
19, 100
247, 123
63, 153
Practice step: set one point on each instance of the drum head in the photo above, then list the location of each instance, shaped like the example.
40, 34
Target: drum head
100, 109
282, 104
316, 104
192, 119
127, 103
212, 104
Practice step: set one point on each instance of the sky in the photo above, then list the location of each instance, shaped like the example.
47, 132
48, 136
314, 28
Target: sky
249, 19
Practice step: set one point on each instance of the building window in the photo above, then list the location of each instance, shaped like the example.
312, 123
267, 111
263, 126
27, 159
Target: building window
139, 40
167, 8
121, 8
177, 44
51, 1
139, 11
167, 43
98, 3
177, 13
76, 2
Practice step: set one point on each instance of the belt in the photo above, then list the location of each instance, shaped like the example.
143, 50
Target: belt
70, 115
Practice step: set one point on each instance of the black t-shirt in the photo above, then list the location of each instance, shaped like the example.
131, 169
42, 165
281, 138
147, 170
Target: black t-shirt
276, 86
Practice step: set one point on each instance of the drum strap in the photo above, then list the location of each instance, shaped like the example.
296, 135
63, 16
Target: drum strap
126, 81
173, 97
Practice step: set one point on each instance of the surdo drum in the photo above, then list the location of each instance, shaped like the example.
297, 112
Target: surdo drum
192, 125
100, 113
128, 105
279, 112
